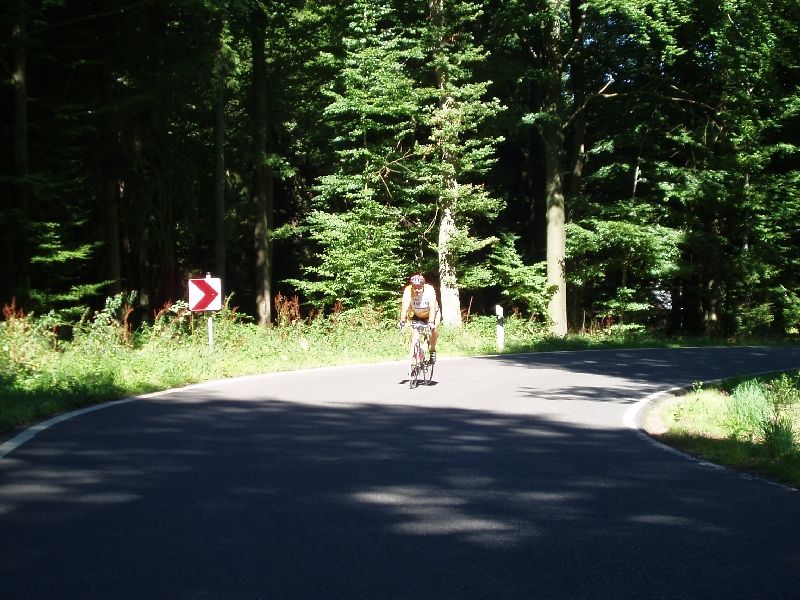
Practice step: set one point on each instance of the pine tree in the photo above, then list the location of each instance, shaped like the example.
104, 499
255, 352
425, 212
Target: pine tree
375, 111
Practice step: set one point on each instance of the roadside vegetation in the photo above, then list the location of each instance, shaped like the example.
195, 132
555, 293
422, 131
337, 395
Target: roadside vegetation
49, 365
751, 424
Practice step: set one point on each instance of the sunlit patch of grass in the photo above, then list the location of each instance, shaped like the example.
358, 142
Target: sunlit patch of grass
750, 425
701, 412
747, 409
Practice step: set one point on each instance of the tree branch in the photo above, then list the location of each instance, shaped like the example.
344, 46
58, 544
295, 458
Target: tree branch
109, 13
589, 98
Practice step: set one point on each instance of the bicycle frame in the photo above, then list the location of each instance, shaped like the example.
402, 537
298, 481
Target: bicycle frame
420, 367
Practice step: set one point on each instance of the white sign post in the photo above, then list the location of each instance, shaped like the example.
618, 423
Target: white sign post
501, 334
206, 295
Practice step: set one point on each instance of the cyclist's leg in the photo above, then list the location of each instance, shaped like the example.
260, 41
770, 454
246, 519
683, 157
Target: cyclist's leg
411, 357
429, 372
437, 321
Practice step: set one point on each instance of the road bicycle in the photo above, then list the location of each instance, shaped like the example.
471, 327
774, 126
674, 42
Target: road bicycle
420, 369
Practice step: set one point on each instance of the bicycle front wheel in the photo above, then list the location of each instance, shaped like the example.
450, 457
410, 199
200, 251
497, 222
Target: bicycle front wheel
413, 372
417, 370
423, 370
429, 373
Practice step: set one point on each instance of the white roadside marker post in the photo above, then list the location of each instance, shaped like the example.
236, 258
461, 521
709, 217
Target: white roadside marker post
501, 334
210, 324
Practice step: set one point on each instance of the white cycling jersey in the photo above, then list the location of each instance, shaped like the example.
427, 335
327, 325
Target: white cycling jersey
420, 305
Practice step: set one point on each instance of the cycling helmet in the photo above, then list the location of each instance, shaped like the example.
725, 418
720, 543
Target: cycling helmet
417, 280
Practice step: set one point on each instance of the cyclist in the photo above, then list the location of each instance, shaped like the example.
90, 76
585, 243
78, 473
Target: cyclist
420, 305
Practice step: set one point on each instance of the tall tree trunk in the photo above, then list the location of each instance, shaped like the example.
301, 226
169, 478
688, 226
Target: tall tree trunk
112, 186
19, 259
219, 181
577, 155
556, 232
712, 297
448, 282
553, 137
264, 185
448, 276
145, 276
577, 152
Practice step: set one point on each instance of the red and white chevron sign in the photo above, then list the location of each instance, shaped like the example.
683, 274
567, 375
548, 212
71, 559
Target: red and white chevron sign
205, 294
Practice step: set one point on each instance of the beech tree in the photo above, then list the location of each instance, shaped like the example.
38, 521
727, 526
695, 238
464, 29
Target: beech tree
458, 151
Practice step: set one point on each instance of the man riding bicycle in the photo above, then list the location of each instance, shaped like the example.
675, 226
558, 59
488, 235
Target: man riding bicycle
420, 305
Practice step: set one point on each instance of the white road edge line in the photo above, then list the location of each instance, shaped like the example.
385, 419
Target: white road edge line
631, 421
28, 434
632, 416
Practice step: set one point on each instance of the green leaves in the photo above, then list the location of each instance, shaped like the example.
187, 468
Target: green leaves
518, 282
403, 151
374, 108
668, 128
618, 265
360, 262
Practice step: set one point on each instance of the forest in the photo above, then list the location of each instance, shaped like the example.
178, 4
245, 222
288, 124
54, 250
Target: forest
578, 162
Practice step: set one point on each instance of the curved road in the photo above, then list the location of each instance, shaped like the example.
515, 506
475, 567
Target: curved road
511, 477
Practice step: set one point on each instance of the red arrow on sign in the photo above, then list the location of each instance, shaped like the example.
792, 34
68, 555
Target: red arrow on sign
210, 289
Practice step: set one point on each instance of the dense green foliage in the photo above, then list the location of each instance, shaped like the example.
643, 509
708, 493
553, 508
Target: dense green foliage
328, 149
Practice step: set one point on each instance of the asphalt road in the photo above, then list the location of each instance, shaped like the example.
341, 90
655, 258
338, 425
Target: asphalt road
511, 478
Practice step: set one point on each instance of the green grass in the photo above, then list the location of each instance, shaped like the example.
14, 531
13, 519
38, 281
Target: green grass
42, 374
748, 424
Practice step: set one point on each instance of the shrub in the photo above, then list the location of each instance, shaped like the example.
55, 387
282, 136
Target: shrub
778, 427
747, 411
778, 432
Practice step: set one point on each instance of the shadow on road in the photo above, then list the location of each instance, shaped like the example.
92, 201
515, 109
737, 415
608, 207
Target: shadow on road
217, 498
663, 366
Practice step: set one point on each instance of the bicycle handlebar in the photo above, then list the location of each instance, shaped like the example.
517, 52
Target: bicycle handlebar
421, 327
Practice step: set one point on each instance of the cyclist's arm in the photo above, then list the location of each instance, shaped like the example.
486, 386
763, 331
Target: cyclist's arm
405, 304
